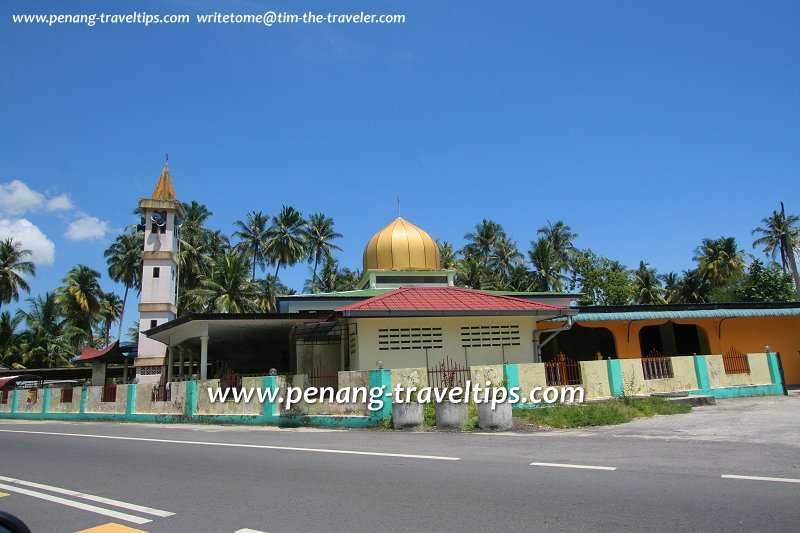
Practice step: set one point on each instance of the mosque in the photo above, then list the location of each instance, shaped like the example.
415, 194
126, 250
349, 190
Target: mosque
407, 313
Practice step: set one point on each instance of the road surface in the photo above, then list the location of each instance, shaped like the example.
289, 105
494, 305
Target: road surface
730, 467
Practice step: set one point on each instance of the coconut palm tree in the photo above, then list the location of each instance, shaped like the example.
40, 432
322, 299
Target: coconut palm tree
720, 260
472, 274
9, 339
197, 246
447, 254
124, 259
482, 241
133, 332
647, 285
671, 282
228, 288
318, 235
548, 268
253, 236
48, 339
111, 310
504, 256
780, 235
520, 279
286, 243
562, 240
693, 288
79, 298
13, 267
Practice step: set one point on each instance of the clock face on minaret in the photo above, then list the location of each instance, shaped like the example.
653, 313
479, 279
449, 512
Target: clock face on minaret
161, 218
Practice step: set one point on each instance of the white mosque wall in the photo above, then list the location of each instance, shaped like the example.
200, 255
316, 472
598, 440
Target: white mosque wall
479, 340
158, 289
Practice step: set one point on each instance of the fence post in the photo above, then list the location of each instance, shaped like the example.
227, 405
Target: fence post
615, 383
191, 399
775, 371
46, 391
14, 400
271, 408
511, 375
84, 399
382, 378
130, 399
701, 370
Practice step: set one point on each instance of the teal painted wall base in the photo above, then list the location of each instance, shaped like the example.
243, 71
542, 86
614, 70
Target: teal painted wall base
270, 415
738, 392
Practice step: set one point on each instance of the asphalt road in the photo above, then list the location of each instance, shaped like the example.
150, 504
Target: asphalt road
656, 475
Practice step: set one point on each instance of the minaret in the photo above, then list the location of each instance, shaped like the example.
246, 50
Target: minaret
161, 213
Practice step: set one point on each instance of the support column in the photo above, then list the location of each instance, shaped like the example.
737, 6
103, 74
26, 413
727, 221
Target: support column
125, 371
191, 364
99, 374
170, 362
181, 369
204, 357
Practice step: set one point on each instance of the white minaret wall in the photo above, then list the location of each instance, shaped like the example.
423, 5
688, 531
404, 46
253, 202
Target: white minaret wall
159, 278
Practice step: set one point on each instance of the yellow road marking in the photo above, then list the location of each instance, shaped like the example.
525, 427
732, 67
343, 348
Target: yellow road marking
111, 527
2, 494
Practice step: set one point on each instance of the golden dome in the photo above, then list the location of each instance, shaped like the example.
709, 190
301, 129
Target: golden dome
401, 246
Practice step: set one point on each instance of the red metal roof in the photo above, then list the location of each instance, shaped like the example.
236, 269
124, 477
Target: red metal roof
447, 300
109, 354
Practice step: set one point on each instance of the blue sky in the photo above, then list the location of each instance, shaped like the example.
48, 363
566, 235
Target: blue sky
646, 126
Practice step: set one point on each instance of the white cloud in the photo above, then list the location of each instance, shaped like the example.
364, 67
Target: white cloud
85, 228
62, 202
17, 198
23, 230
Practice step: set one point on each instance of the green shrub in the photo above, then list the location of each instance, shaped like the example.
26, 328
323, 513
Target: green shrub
603, 413
472, 418
429, 412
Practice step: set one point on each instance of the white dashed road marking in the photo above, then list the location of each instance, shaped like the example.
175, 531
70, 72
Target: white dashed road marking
583, 467
233, 445
77, 505
90, 497
759, 478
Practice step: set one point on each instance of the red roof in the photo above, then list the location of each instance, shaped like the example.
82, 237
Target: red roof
109, 354
421, 301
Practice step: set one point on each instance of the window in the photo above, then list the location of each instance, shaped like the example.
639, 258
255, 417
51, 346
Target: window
156, 272
410, 279
153, 323
477, 336
149, 370
409, 338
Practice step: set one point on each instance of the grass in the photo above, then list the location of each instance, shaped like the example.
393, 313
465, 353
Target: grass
617, 411
429, 412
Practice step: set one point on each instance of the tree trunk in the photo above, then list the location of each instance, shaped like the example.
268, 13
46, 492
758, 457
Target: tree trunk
793, 267
122, 315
